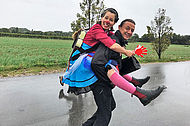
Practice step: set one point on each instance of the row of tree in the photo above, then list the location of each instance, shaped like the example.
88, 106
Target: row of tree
175, 38
4, 34
32, 32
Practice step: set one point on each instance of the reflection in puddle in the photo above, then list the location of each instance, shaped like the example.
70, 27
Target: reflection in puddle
78, 112
157, 76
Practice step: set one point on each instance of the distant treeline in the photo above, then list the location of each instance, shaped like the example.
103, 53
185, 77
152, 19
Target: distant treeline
175, 39
24, 32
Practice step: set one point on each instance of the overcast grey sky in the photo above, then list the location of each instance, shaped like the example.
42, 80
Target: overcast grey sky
51, 15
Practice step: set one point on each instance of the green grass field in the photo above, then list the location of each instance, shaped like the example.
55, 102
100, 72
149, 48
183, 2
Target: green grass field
174, 53
24, 55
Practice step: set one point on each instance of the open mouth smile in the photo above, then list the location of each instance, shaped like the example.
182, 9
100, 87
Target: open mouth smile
106, 24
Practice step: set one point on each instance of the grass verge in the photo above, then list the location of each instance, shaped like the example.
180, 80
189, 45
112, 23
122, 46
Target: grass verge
26, 56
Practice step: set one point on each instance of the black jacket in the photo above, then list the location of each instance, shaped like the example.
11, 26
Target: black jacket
103, 55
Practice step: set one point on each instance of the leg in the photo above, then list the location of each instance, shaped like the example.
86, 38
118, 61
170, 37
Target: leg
136, 82
105, 105
120, 82
145, 96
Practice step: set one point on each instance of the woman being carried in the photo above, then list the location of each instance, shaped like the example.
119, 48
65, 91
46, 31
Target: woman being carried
79, 73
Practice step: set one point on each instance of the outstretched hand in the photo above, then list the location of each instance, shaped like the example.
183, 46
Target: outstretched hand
141, 50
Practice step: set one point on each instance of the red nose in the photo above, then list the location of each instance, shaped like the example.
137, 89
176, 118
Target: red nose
108, 22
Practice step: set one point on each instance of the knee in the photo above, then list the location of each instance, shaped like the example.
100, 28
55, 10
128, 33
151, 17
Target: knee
110, 72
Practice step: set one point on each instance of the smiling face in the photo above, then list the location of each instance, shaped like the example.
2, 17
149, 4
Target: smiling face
127, 29
108, 20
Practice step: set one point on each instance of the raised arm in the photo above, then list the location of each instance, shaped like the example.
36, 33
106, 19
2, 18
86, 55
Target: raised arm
99, 34
116, 47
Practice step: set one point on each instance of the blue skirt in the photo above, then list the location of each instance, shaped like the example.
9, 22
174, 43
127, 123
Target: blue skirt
79, 73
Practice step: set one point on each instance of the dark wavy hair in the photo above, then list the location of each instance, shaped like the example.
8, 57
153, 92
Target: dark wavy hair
127, 20
112, 10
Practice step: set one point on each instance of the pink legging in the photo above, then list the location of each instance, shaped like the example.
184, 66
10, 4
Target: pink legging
127, 77
122, 83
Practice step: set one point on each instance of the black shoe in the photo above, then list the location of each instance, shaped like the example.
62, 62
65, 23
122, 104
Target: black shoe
60, 80
139, 82
146, 96
61, 94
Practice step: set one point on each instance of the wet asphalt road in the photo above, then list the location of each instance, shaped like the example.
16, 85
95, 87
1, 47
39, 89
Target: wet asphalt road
41, 101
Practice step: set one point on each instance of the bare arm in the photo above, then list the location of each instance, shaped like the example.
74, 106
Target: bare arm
116, 47
99, 34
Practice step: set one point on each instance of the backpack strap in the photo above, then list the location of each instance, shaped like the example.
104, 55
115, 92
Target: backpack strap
93, 48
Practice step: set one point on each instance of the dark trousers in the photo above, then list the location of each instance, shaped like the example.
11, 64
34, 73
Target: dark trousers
105, 105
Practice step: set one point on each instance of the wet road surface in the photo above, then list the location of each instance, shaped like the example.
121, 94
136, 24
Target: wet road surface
41, 101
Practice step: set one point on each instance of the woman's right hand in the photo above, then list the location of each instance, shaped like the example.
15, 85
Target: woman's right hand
116, 47
130, 53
